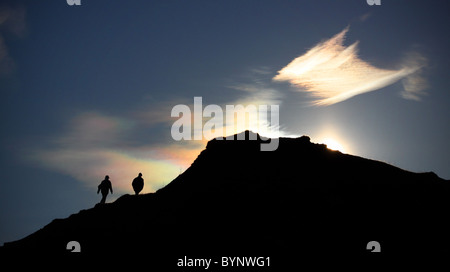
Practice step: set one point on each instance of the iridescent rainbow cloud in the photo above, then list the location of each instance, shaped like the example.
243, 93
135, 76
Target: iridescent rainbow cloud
332, 73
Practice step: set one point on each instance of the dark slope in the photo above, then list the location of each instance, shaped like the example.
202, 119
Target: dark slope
235, 200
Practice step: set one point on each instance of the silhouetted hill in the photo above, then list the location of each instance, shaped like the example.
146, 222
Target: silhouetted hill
235, 200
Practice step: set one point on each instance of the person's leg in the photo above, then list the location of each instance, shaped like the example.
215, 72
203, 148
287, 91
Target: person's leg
103, 198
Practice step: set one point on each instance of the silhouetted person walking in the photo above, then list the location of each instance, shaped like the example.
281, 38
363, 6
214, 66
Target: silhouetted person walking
104, 187
138, 184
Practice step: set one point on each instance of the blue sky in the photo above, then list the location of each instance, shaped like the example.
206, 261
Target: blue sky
87, 91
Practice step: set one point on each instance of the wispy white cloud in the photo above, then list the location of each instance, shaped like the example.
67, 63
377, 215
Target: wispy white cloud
332, 72
414, 85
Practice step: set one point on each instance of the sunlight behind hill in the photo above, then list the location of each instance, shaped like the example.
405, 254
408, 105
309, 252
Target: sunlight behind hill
334, 144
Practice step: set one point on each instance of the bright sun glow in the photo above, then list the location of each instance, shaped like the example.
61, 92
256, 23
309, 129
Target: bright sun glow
333, 144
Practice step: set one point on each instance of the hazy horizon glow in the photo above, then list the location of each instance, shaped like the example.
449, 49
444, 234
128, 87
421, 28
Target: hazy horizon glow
95, 145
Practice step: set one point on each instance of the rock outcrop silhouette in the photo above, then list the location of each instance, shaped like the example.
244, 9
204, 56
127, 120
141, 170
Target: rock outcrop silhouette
235, 200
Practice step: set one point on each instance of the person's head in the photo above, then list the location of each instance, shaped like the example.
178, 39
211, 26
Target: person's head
106, 177
140, 174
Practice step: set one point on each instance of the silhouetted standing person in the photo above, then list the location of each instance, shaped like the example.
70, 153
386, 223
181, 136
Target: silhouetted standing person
138, 184
104, 187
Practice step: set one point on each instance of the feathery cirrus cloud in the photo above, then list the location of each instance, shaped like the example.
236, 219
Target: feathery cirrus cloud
332, 73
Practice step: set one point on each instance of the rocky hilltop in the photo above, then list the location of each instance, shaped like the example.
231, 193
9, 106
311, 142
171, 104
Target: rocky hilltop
235, 200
